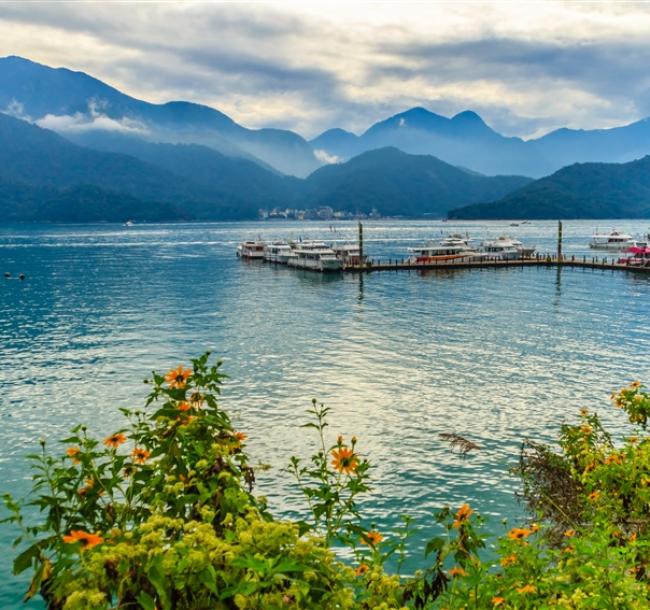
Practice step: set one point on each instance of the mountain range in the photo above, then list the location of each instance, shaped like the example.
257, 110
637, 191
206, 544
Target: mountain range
75, 148
44, 176
582, 190
467, 140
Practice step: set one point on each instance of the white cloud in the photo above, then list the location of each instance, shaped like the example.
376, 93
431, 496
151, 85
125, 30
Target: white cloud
324, 157
15, 109
92, 120
525, 66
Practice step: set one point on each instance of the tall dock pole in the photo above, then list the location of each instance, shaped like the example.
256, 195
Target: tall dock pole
559, 241
360, 244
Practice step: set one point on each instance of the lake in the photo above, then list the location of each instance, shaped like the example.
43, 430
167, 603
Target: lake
496, 355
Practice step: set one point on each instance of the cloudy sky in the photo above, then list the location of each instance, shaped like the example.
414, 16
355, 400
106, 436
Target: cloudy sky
525, 67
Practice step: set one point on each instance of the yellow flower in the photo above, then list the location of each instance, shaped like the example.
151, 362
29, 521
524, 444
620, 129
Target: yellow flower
140, 455
508, 561
177, 378
584, 411
240, 437
114, 440
73, 453
586, 429
462, 515
371, 538
87, 540
345, 460
527, 589
635, 384
361, 569
518, 533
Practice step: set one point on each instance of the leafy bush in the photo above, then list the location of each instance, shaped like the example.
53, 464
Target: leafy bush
172, 521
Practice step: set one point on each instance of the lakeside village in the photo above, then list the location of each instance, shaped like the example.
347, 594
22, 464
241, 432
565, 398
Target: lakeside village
321, 213
450, 250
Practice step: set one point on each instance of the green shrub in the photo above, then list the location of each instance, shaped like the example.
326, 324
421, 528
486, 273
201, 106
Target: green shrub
172, 521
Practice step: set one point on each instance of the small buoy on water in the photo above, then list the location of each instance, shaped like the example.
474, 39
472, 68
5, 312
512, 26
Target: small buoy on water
7, 274
21, 276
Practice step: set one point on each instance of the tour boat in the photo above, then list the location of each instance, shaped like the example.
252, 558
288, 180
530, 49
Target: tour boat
611, 241
444, 251
505, 248
316, 256
639, 256
278, 252
251, 249
349, 254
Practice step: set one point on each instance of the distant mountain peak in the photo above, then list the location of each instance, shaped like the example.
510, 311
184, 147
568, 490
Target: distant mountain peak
468, 116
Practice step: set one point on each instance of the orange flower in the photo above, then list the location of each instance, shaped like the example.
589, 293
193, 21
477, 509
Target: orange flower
508, 561
184, 406
584, 411
114, 440
140, 455
177, 378
361, 569
73, 453
527, 589
635, 384
462, 515
594, 495
633, 537
518, 533
498, 601
569, 549
534, 528
240, 437
88, 541
372, 538
570, 533
457, 571
344, 460
633, 440
586, 429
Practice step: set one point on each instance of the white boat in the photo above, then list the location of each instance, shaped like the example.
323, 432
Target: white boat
611, 241
349, 254
505, 248
316, 256
128, 223
251, 249
278, 252
448, 250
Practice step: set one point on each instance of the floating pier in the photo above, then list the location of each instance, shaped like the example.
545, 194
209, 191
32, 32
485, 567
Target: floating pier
539, 260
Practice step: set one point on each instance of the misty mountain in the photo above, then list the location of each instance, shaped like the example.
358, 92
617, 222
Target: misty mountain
584, 190
467, 140
230, 188
44, 176
71, 102
396, 183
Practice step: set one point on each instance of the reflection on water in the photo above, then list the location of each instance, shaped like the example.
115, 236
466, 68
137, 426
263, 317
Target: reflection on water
494, 355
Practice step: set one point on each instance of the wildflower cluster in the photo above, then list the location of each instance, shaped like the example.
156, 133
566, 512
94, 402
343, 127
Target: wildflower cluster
161, 515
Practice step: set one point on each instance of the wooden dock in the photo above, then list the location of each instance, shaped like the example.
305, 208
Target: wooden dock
583, 262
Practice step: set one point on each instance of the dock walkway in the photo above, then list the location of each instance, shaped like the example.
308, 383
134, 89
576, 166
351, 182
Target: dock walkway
540, 260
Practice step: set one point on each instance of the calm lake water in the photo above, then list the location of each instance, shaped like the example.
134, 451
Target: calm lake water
494, 355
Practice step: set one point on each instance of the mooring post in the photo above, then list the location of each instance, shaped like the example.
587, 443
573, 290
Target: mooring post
559, 241
361, 262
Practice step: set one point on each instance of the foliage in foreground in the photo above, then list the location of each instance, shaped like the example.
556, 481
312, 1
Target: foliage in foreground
171, 522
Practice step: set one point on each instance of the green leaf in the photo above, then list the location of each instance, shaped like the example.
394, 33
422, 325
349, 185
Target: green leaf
146, 601
24, 560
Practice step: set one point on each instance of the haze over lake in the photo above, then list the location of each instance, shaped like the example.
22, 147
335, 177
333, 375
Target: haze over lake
495, 355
